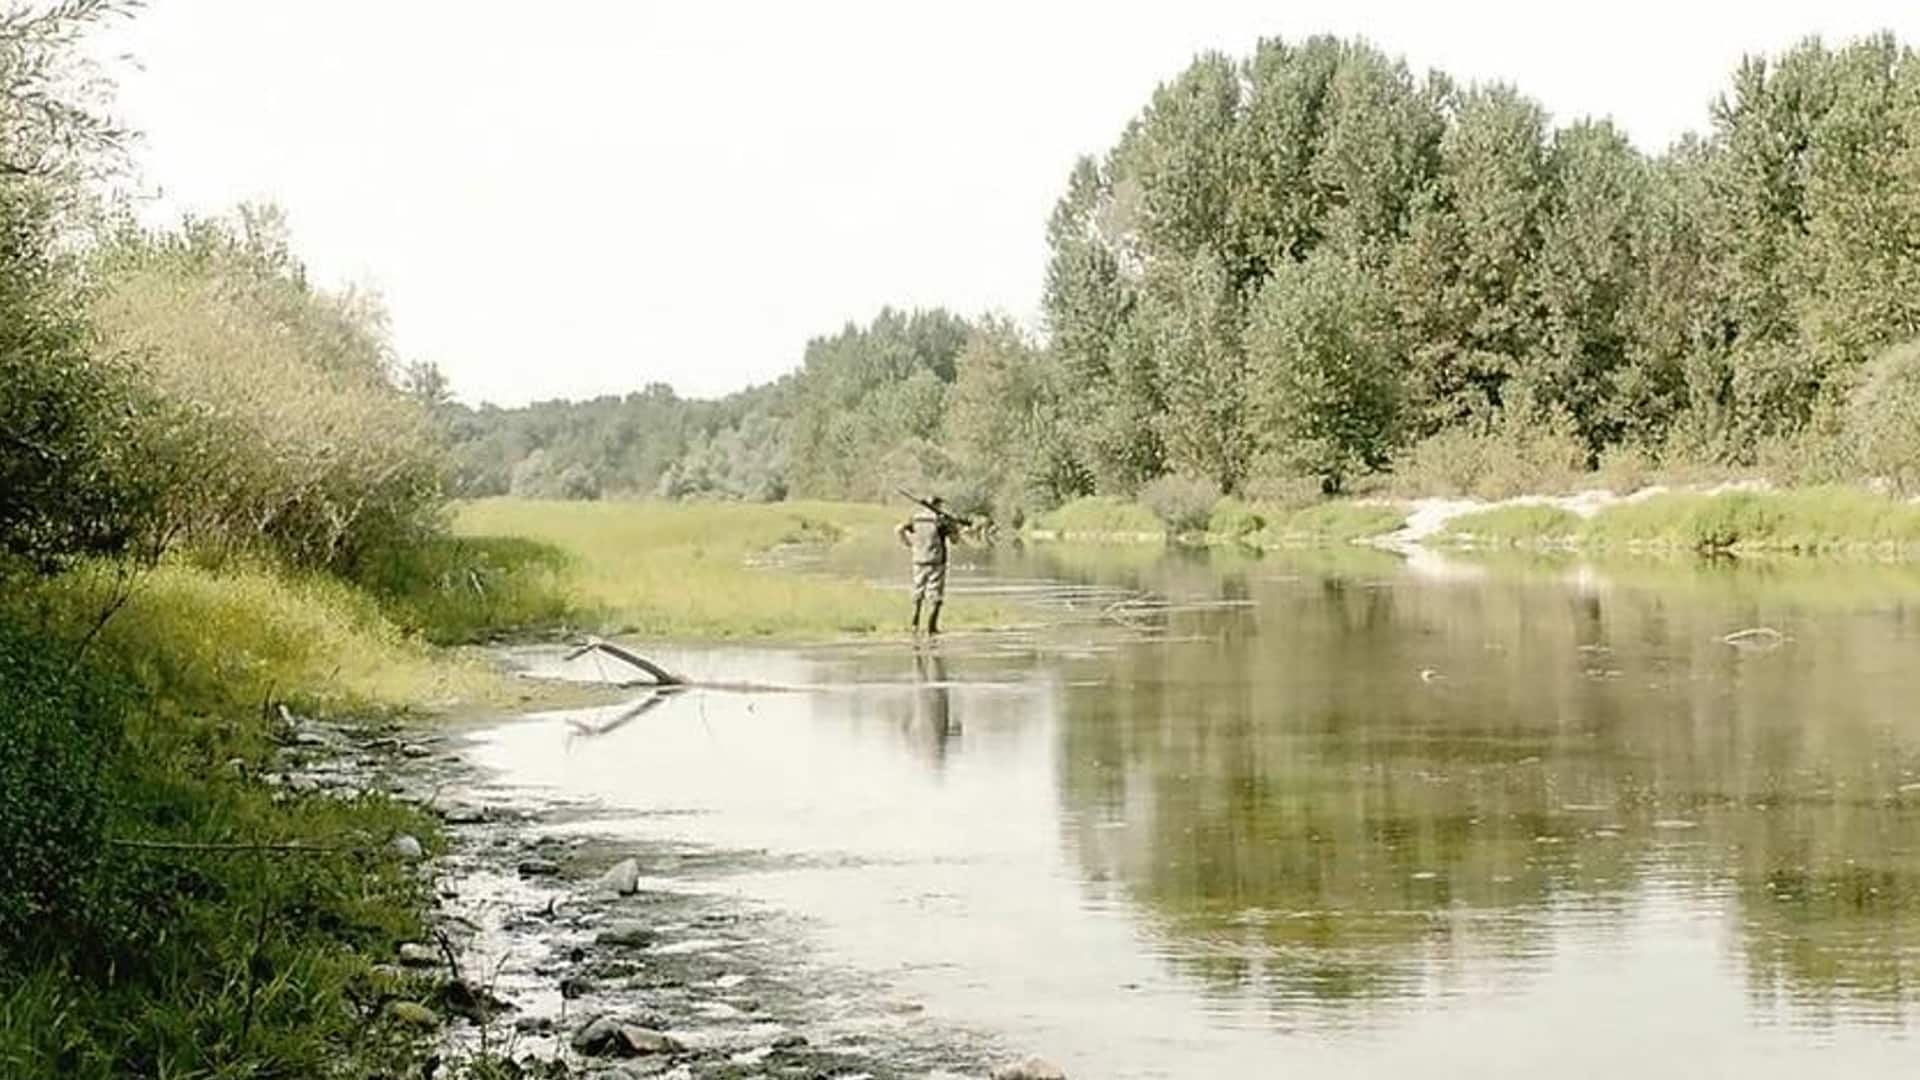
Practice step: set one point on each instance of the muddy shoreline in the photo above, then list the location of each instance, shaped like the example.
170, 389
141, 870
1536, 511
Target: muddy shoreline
561, 949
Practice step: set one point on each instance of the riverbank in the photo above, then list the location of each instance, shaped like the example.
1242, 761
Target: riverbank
1722, 520
207, 873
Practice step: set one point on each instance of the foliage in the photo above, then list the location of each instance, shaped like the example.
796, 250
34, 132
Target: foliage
1494, 461
1326, 385
1095, 517
1809, 520
866, 391
59, 729
454, 590
1234, 520
278, 422
69, 481
1884, 415
72, 479
1181, 503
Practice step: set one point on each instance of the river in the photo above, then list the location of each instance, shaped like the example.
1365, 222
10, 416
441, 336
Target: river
1335, 814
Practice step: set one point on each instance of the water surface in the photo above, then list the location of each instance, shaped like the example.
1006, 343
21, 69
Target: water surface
1334, 814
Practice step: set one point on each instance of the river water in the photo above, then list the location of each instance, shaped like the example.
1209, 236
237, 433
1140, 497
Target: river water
1331, 814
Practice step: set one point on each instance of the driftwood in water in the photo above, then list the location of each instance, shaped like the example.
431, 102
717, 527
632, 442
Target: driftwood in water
632, 712
627, 656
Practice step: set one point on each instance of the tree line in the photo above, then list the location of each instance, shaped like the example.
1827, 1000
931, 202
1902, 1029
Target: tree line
1313, 265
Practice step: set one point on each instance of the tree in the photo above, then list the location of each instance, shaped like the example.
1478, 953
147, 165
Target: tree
1190, 328
1326, 389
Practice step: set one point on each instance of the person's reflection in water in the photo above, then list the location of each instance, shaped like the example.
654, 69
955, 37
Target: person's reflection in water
933, 724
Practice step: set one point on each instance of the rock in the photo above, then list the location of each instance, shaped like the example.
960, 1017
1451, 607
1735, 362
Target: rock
534, 1025
622, 880
414, 954
456, 811
627, 933
538, 868
789, 1042
574, 986
1033, 1068
413, 1014
598, 1034
405, 847
462, 998
645, 1041
608, 1036
415, 750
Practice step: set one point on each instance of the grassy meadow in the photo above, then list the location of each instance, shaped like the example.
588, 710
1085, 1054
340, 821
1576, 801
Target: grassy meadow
703, 571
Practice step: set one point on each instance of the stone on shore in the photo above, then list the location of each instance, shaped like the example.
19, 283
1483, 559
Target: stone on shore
627, 933
622, 880
1033, 1068
610, 1036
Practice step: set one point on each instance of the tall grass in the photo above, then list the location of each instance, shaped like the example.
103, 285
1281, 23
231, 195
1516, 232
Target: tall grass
1098, 517
176, 961
706, 570
1526, 523
227, 638
1333, 522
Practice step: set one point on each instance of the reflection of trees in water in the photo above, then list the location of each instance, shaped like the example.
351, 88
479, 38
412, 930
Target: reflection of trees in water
1306, 816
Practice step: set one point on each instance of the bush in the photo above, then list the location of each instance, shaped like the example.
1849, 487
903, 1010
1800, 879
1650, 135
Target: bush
459, 590
277, 424
1496, 461
1182, 503
1885, 417
1234, 519
1101, 515
60, 726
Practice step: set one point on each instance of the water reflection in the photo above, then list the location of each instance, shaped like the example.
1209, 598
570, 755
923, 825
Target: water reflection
931, 724
1345, 791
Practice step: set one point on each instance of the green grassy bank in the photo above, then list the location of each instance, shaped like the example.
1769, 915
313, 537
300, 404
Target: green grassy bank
148, 929
1810, 521
149, 923
1105, 518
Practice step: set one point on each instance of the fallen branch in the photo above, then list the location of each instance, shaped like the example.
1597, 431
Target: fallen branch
627, 656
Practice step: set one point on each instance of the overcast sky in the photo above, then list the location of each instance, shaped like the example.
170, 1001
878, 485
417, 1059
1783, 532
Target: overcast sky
572, 198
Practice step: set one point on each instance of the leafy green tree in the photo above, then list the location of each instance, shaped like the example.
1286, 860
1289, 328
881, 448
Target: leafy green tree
1326, 371
1004, 424
1584, 277
1189, 322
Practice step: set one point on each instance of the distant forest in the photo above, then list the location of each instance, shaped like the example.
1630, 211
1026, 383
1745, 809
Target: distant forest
1312, 266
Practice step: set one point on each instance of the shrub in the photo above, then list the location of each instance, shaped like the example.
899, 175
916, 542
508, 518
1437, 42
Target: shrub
277, 423
1234, 519
1101, 515
1182, 503
60, 725
458, 590
1496, 461
1885, 417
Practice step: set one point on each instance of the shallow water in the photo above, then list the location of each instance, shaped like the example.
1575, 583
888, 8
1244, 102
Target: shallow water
1333, 815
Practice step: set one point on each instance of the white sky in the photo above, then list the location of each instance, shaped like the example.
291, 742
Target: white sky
571, 198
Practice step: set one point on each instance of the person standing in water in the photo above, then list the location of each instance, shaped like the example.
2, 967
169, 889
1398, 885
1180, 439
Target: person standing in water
927, 534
